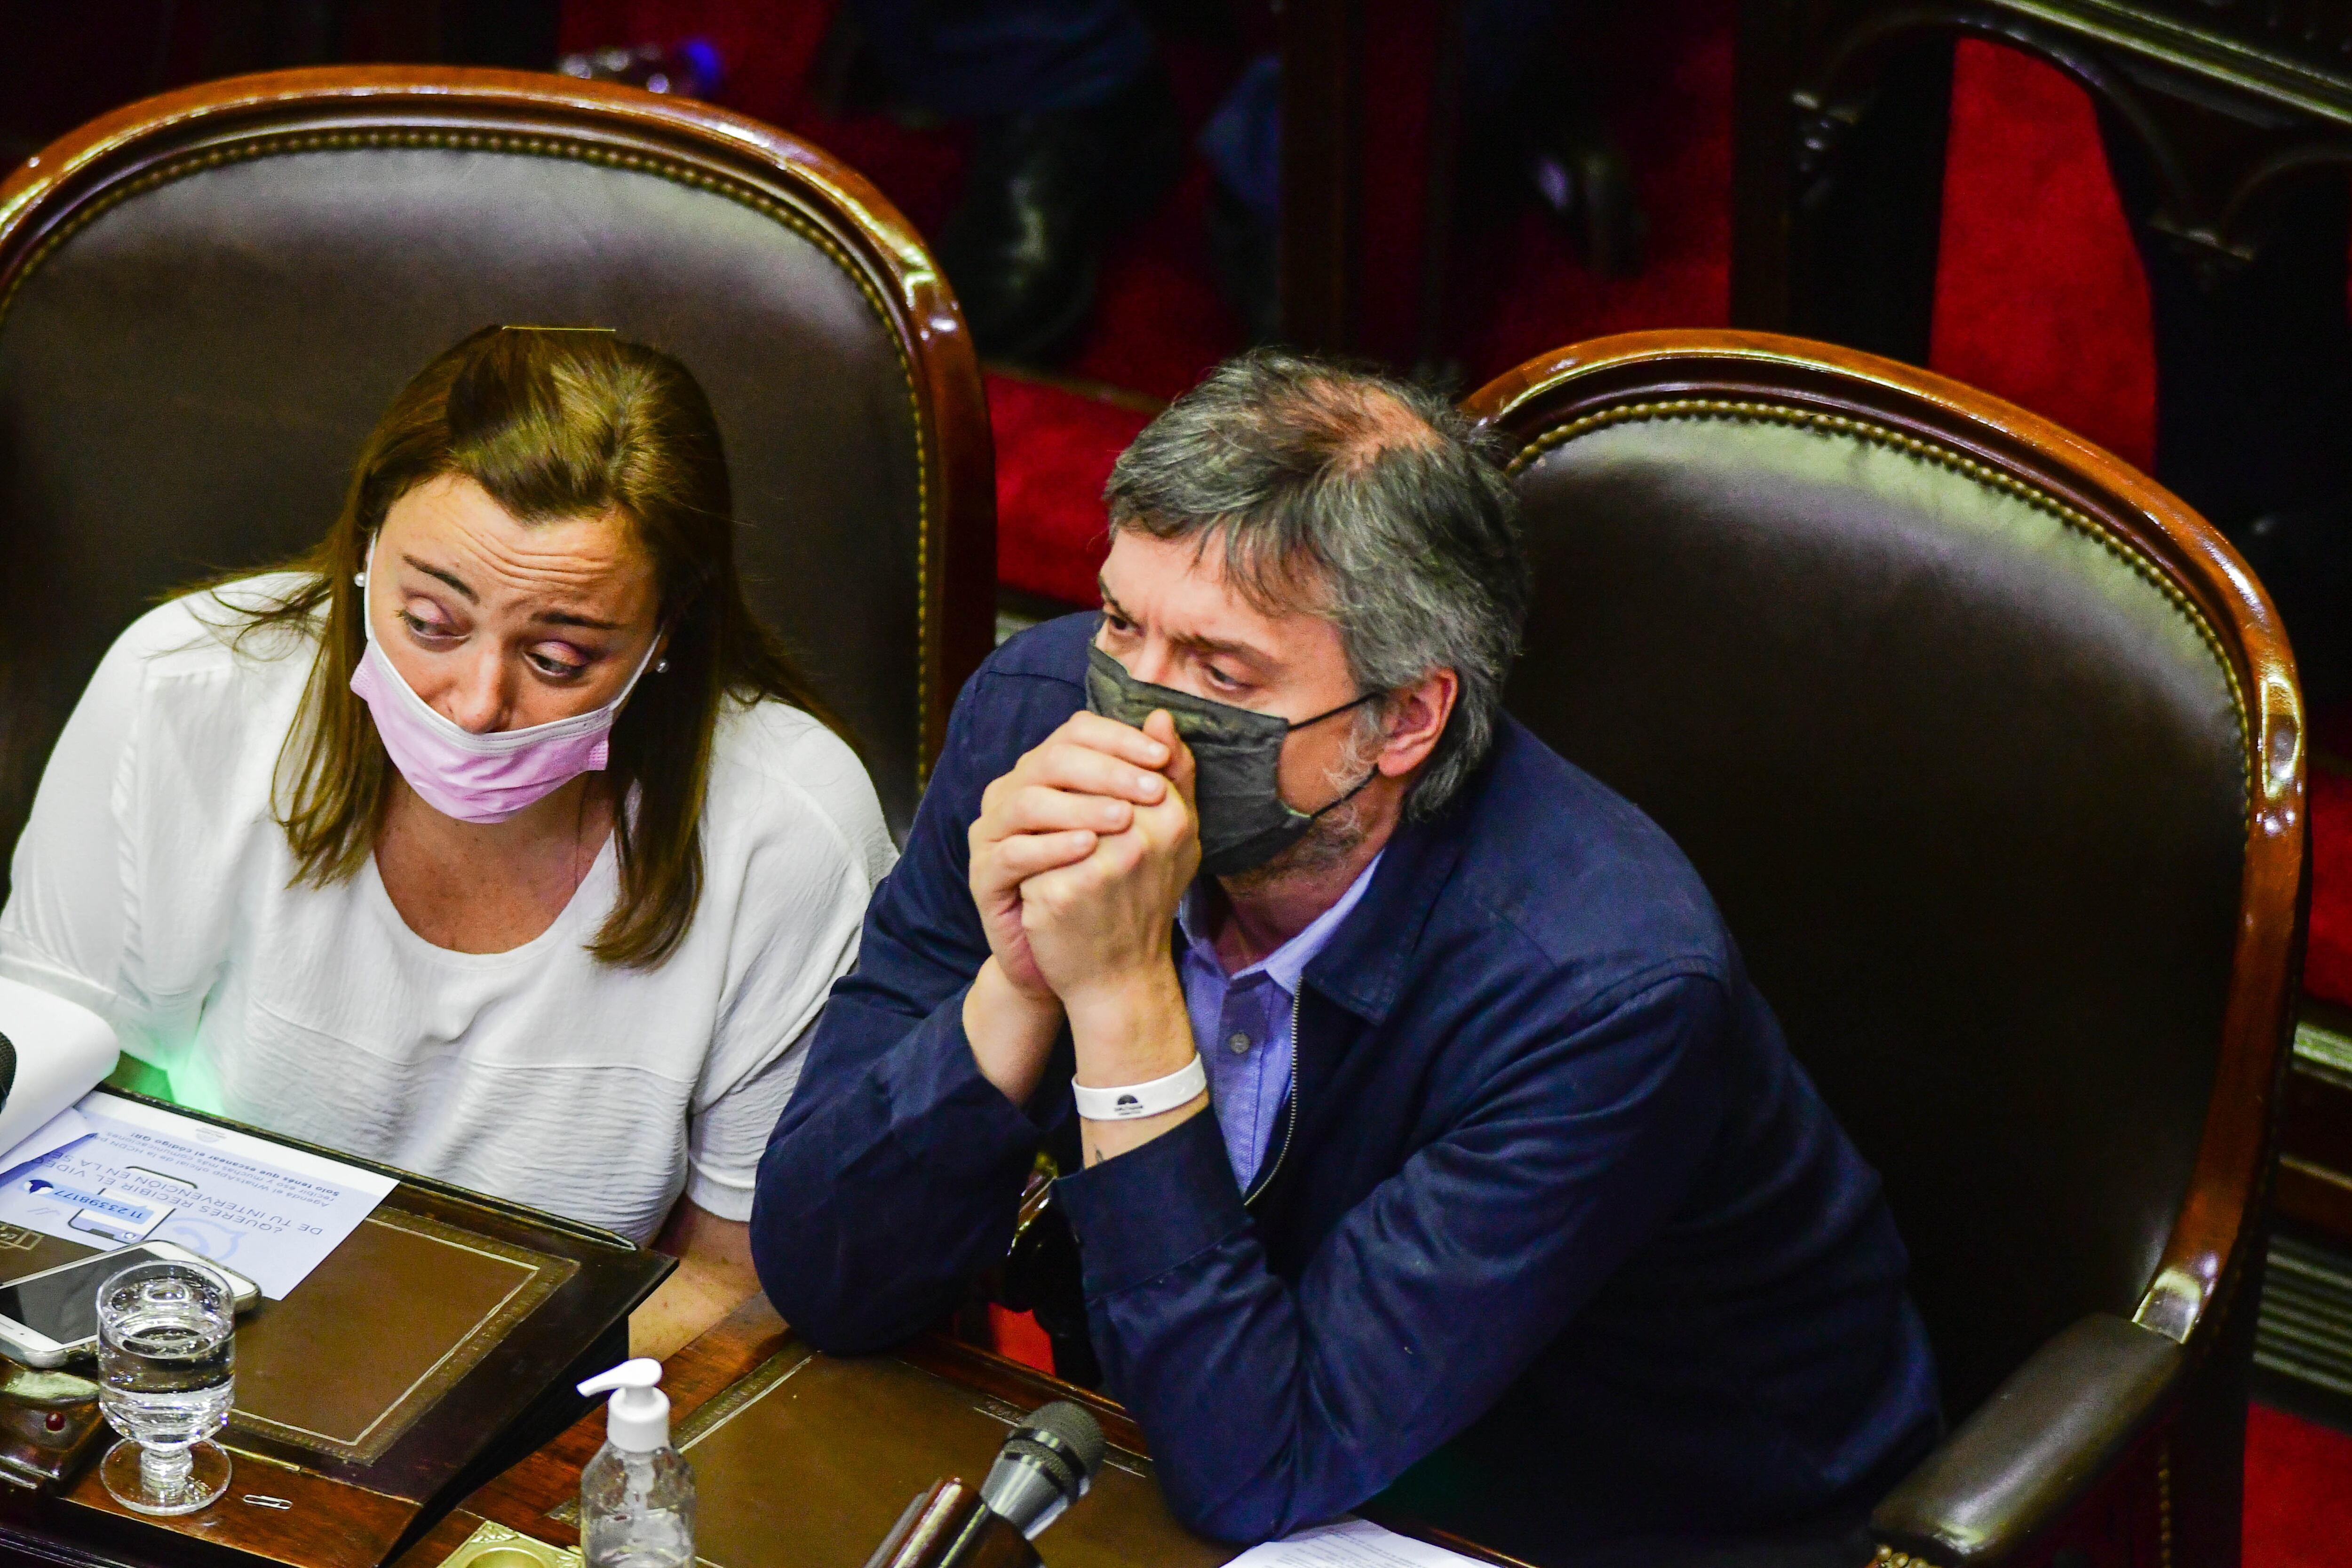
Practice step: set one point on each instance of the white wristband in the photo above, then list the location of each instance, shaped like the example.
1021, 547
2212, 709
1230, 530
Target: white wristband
1178, 1089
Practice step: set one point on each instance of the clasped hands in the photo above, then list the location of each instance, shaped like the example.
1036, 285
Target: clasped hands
1079, 856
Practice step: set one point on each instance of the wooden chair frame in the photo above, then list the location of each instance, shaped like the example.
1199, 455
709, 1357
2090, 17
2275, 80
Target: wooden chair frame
2196, 1298
76, 178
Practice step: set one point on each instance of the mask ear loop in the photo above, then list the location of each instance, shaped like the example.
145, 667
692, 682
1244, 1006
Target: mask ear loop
1334, 713
1362, 783
360, 581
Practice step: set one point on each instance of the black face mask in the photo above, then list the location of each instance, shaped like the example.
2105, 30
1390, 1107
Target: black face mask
1238, 758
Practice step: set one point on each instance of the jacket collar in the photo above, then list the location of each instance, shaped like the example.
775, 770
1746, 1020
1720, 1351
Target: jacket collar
1366, 963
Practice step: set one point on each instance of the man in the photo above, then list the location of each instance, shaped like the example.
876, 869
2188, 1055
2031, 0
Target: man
1502, 1172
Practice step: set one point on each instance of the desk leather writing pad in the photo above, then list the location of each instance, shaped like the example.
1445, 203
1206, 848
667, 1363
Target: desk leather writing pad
497, 1385
363, 1346
397, 1313
808, 1461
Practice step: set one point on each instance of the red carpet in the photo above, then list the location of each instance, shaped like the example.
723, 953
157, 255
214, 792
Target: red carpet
2298, 1493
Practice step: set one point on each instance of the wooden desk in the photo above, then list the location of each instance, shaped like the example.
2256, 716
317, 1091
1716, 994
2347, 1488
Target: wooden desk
439, 1341
836, 1504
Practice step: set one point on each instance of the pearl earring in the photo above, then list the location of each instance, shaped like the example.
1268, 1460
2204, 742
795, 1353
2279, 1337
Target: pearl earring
359, 578
661, 665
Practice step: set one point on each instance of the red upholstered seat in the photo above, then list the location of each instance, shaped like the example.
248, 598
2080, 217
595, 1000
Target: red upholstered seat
1054, 448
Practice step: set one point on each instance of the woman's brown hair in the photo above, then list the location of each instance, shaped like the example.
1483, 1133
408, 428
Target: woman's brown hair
551, 423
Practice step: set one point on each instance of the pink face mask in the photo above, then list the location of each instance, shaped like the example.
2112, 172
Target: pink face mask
479, 778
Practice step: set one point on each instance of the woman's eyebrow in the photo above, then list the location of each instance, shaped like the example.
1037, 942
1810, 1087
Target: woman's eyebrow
449, 577
566, 618
545, 617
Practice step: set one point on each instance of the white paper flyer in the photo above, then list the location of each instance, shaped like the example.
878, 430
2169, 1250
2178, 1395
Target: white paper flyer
270, 1213
1350, 1544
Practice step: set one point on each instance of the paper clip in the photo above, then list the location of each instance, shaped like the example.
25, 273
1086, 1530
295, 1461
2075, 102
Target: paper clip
258, 1501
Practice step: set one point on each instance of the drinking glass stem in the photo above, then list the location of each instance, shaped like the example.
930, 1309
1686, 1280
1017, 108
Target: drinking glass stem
165, 1470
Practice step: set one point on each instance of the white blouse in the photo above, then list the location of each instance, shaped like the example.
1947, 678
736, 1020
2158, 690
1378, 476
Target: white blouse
153, 885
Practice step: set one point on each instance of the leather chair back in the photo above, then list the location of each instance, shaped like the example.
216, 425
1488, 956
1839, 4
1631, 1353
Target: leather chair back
206, 300
1990, 752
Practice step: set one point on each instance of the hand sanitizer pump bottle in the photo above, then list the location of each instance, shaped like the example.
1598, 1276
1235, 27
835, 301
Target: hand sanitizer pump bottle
637, 1496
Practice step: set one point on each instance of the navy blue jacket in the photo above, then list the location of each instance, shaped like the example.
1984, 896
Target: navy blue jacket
1555, 1199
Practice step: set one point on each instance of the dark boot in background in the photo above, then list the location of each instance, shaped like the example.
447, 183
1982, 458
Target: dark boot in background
1044, 195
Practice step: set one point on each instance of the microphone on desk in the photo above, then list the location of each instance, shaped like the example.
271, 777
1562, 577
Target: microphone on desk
1044, 1467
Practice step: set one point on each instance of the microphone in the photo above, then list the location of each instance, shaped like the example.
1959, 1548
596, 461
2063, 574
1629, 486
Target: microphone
1044, 1467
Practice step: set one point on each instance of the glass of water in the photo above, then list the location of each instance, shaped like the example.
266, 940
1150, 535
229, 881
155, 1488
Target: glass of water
167, 1365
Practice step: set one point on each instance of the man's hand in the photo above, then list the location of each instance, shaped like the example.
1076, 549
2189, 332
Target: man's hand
1100, 934
1098, 925
1084, 781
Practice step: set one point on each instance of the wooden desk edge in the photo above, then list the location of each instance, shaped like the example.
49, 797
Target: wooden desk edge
520, 1499
729, 1352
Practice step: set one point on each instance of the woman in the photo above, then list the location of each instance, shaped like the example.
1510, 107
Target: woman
494, 840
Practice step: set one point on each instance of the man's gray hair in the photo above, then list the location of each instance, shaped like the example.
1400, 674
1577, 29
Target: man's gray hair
1354, 496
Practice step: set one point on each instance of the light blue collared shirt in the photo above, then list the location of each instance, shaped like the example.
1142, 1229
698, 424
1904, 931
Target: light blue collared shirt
1241, 1023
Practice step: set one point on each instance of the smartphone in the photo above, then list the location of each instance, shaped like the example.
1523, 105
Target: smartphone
47, 1318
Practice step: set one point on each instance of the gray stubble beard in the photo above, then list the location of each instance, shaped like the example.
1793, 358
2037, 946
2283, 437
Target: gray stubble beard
1337, 834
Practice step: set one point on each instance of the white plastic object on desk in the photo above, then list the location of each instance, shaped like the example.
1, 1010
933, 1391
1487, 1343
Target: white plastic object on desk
63, 1050
637, 1417
637, 1496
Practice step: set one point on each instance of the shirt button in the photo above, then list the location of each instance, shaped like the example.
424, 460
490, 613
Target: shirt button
1239, 1044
